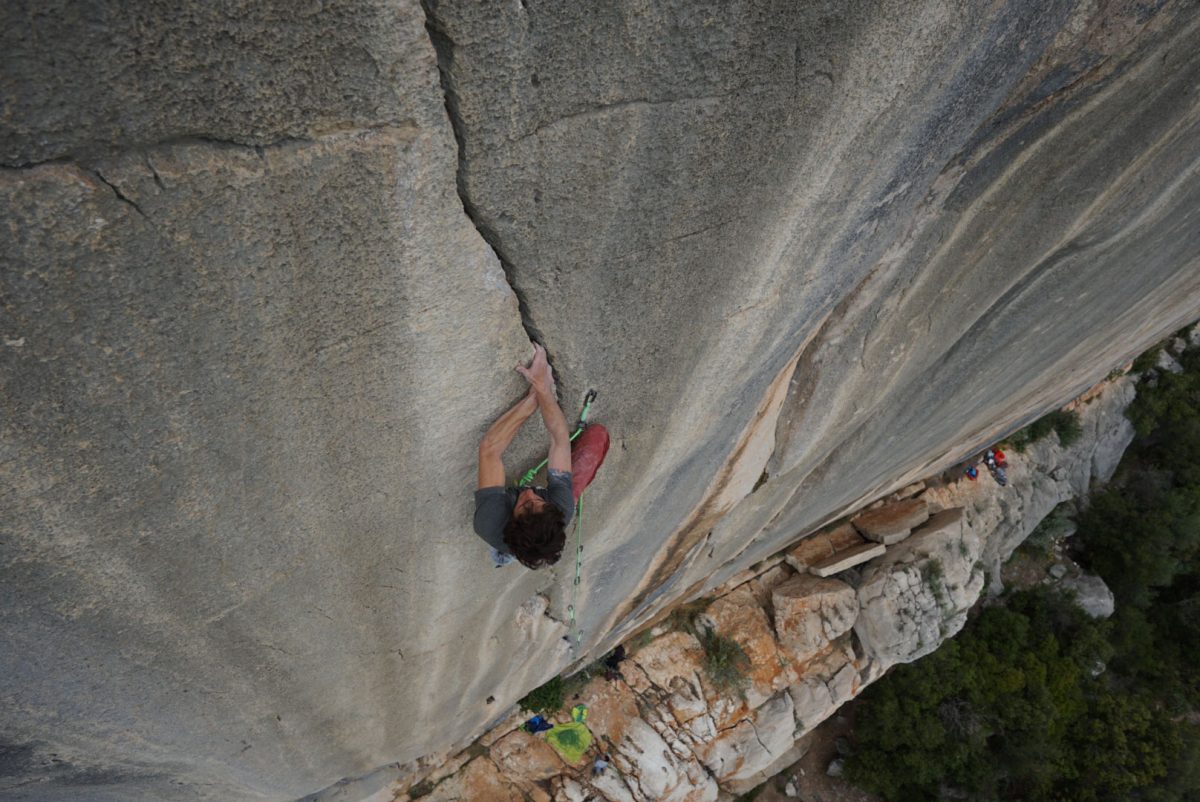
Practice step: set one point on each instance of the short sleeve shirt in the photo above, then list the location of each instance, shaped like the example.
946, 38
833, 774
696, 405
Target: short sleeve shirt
494, 506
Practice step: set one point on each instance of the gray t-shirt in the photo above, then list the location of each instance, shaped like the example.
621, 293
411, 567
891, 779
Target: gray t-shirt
494, 506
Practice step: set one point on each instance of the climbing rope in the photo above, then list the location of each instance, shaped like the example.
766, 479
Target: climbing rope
578, 572
527, 478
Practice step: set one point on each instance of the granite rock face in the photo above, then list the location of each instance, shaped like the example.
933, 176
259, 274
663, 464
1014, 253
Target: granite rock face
87, 79
252, 330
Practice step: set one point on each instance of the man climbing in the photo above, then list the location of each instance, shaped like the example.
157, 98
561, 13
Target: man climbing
530, 523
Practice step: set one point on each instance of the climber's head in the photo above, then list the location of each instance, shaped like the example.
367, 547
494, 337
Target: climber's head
536, 532
528, 502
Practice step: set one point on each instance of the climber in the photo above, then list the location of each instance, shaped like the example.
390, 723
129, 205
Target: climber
612, 664
529, 523
1001, 476
1001, 459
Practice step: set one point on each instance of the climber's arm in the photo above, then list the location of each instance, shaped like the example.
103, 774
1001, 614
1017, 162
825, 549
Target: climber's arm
560, 437
498, 437
542, 384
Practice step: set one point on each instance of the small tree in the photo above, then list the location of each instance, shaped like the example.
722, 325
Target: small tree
545, 699
725, 662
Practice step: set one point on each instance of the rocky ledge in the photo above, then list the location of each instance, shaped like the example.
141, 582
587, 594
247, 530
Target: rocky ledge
814, 641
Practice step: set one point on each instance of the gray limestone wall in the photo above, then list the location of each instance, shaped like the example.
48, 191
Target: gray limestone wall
268, 265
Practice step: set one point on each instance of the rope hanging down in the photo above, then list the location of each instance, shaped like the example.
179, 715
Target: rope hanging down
573, 635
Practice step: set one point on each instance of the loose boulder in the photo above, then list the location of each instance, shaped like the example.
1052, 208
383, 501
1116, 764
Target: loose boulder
849, 558
526, 757
892, 523
1091, 594
820, 547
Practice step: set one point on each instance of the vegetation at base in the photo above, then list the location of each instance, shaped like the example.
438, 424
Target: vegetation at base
545, 699
423, 788
553, 696
639, 641
1040, 542
1063, 422
1141, 534
683, 617
725, 662
1146, 361
752, 794
1013, 708
1036, 701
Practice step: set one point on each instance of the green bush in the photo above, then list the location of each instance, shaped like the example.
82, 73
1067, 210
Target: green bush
1040, 543
1066, 426
1169, 408
725, 662
1063, 422
1141, 534
1008, 710
546, 699
1147, 361
683, 617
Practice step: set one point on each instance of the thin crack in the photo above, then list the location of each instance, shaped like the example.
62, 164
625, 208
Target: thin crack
154, 171
757, 738
121, 196
78, 155
443, 46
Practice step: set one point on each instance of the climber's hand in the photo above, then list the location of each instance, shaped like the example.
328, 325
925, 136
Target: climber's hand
538, 374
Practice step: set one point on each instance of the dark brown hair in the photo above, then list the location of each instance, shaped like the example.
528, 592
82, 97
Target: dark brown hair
536, 538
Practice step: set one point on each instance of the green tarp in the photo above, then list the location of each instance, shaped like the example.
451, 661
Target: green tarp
570, 740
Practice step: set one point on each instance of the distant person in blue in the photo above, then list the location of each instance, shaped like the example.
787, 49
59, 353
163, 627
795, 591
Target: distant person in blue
526, 523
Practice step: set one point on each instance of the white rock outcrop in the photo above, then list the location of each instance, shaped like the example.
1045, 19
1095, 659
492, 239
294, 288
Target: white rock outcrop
811, 613
1091, 594
918, 594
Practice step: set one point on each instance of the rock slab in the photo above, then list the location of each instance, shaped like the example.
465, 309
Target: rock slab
843, 560
892, 522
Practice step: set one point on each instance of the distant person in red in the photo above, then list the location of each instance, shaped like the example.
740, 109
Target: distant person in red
1001, 460
530, 523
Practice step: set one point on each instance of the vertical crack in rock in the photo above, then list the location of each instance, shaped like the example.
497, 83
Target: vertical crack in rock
444, 48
